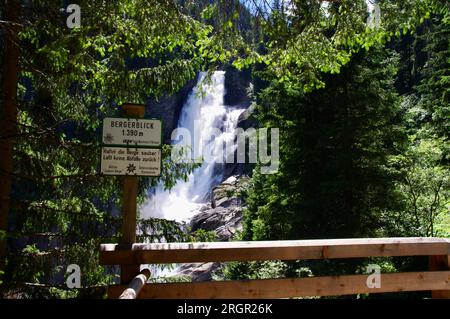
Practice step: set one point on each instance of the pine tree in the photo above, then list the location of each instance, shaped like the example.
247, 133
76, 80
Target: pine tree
434, 88
61, 207
333, 180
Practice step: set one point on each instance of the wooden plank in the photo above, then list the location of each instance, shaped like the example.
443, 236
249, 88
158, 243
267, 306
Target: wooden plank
294, 287
440, 262
135, 286
111, 254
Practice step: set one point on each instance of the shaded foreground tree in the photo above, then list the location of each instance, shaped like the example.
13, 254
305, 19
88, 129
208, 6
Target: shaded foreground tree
333, 181
56, 90
345, 149
8, 116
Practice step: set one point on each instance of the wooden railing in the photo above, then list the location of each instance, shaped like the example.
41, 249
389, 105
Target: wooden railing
136, 285
437, 279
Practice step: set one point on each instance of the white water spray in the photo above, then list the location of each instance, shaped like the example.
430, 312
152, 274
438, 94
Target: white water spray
203, 113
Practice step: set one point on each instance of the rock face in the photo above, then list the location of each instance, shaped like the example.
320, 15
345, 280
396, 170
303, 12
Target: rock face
199, 271
168, 109
223, 221
247, 118
223, 216
236, 85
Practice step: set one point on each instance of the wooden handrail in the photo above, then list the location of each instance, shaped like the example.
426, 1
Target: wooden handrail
437, 279
135, 286
112, 254
293, 287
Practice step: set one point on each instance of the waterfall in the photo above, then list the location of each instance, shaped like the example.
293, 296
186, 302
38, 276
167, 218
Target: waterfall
374, 18
211, 125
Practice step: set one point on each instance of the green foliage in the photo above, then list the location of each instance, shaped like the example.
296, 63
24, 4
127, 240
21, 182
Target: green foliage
171, 279
201, 235
309, 39
424, 166
357, 160
161, 230
425, 187
253, 270
434, 89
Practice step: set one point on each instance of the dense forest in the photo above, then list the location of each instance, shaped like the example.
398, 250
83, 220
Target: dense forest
362, 103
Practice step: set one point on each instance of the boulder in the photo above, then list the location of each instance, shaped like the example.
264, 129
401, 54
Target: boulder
227, 194
198, 271
224, 214
223, 221
247, 118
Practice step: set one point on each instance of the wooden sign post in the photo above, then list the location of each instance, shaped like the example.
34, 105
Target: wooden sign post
131, 148
130, 192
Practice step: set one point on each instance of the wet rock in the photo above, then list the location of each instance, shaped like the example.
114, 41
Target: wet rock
223, 221
224, 194
224, 214
229, 192
247, 118
198, 271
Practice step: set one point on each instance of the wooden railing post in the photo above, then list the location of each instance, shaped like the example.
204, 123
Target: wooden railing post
436, 263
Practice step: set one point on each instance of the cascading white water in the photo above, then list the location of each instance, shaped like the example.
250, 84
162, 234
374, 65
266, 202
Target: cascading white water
203, 114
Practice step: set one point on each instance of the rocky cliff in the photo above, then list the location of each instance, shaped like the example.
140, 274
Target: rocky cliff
236, 86
168, 109
223, 216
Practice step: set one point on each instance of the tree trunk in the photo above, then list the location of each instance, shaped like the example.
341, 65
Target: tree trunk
8, 116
